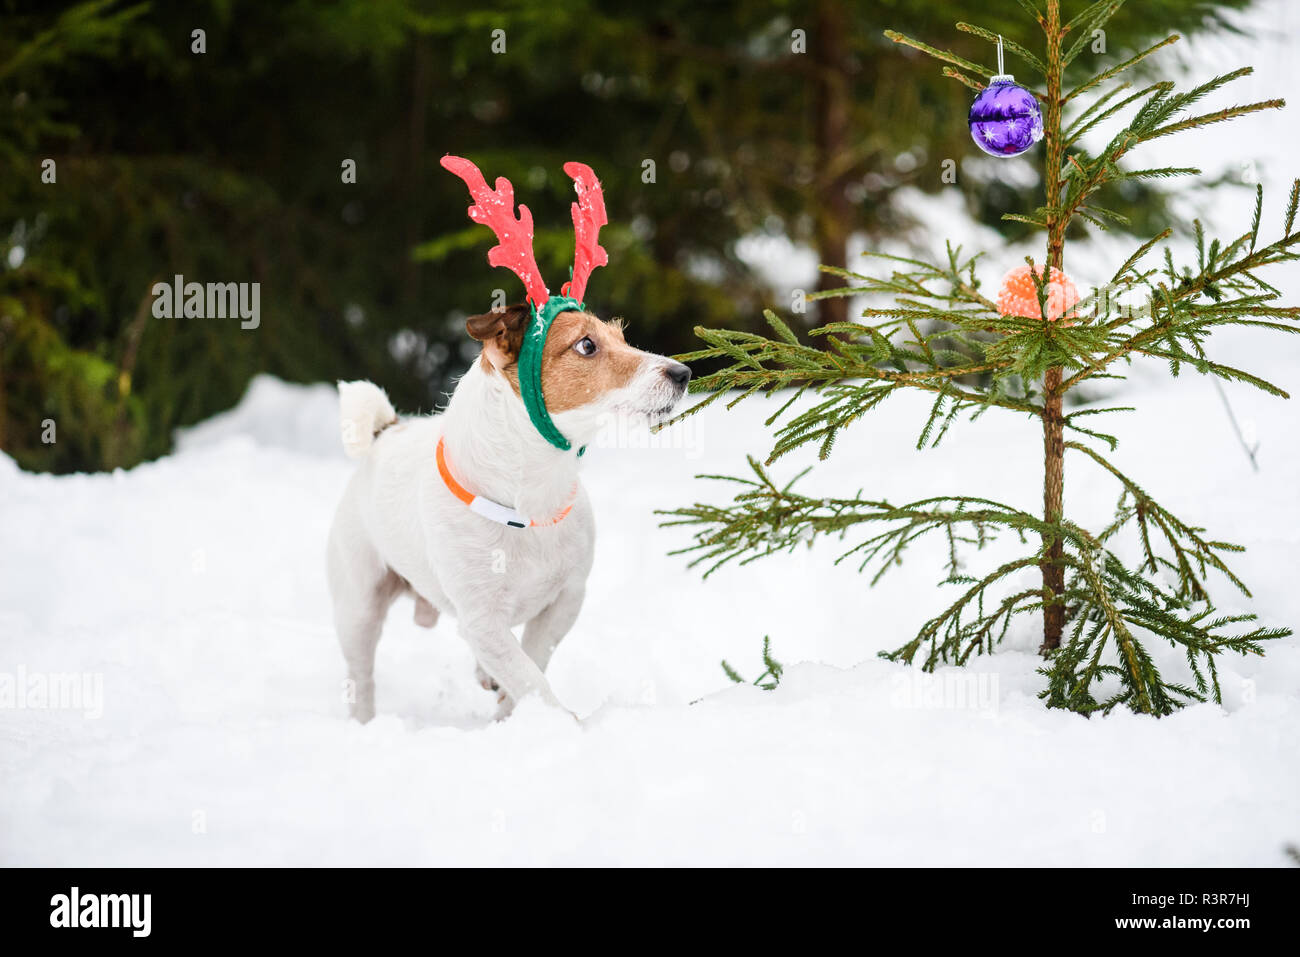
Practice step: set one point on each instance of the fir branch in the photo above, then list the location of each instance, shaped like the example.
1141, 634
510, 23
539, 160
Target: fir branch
1175, 309
1139, 254
943, 55
1193, 556
1138, 669
1207, 119
1094, 15
1130, 601
1120, 67
952, 639
1084, 123
1091, 18
1093, 107
771, 676
962, 78
1007, 44
1031, 8
764, 519
1153, 120
1110, 440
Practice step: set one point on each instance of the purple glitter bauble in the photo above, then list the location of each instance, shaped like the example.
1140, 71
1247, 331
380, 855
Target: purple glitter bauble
1005, 119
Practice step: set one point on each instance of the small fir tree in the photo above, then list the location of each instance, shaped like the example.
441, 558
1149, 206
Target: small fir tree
942, 335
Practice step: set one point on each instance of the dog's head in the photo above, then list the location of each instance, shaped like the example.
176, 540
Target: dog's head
587, 369
587, 366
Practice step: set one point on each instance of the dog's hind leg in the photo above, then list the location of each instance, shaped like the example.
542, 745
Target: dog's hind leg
362, 589
359, 620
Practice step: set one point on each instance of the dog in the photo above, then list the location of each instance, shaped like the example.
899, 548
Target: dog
479, 512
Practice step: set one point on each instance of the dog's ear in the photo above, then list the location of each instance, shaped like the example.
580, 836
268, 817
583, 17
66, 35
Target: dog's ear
502, 333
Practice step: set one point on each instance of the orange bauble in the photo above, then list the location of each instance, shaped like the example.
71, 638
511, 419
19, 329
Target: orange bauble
1019, 296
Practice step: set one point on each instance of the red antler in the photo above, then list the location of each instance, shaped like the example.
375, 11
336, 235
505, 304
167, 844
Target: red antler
496, 209
588, 217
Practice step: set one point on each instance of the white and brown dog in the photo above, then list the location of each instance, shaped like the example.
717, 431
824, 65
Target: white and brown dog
478, 511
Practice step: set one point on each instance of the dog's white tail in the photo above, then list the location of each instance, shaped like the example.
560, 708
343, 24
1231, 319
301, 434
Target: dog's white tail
364, 412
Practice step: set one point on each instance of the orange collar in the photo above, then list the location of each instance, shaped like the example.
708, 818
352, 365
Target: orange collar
486, 507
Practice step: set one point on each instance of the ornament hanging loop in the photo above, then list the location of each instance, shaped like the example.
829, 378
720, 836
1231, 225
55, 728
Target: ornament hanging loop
1002, 75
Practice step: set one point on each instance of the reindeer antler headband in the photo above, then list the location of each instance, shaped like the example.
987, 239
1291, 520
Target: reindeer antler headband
514, 250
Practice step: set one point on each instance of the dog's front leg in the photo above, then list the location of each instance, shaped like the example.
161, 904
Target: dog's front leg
502, 657
545, 630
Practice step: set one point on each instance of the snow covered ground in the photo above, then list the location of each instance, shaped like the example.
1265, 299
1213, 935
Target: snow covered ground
212, 731
194, 588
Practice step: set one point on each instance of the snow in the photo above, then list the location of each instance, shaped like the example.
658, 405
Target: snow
192, 589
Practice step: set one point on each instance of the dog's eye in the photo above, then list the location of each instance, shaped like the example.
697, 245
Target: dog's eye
585, 347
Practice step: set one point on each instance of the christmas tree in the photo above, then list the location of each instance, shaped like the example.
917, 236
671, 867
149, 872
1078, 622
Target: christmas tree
1025, 353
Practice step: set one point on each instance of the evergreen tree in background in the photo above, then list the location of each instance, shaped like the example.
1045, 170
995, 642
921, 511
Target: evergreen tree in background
778, 118
942, 335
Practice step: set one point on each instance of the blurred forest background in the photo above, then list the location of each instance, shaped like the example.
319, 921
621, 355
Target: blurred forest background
225, 166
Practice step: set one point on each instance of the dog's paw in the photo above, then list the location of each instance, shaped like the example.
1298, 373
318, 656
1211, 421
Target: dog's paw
485, 680
362, 712
534, 708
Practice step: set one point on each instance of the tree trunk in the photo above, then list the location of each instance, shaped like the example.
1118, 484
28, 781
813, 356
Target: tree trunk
1053, 421
416, 116
834, 211
1053, 498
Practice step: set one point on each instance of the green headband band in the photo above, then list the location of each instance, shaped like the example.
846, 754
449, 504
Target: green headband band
530, 367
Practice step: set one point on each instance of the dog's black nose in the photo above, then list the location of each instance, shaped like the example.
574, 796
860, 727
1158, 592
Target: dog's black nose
678, 373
